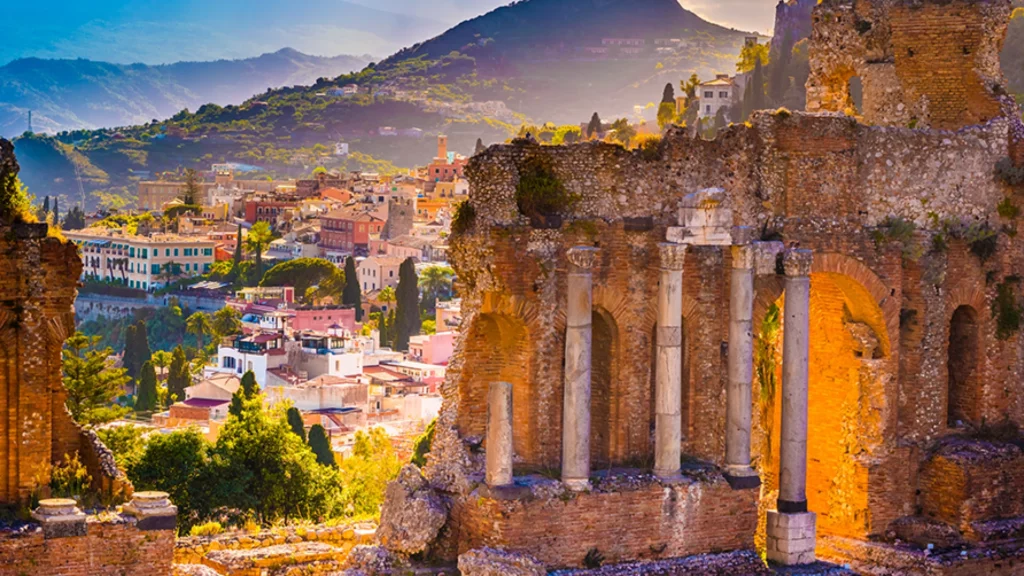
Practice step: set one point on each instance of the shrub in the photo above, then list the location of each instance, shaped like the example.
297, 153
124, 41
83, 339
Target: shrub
540, 194
70, 478
207, 529
421, 447
465, 215
1005, 309
1007, 209
1010, 174
648, 147
901, 231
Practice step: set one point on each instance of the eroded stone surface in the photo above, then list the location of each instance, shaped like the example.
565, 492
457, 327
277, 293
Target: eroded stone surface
494, 562
413, 513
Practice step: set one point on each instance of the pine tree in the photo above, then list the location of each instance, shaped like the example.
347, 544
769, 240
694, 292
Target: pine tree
321, 445
145, 399
595, 126
407, 316
178, 377
296, 423
249, 386
352, 295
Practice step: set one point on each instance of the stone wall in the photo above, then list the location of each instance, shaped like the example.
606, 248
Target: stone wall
645, 520
112, 546
192, 549
924, 64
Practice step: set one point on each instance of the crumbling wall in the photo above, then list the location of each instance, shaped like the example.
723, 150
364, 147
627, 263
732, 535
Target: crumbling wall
921, 64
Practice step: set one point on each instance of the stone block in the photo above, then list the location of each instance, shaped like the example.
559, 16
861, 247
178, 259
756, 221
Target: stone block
493, 562
791, 537
60, 518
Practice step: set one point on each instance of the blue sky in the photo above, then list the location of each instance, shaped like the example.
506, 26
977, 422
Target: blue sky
161, 31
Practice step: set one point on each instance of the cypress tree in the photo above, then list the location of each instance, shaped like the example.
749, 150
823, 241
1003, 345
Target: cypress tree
352, 294
407, 316
56, 211
130, 358
249, 386
238, 252
143, 352
668, 96
321, 445
145, 399
479, 146
595, 125
178, 377
257, 272
237, 403
46, 206
757, 90
296, 423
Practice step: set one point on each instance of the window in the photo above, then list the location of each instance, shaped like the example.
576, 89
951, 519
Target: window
131, 252
723, 95
707, 109
229, 362
175, 251
709, 94
154, 269
167, 252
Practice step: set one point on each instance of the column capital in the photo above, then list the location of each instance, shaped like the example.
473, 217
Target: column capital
582, 257
673, 256
743, 257
797, 262
742, 235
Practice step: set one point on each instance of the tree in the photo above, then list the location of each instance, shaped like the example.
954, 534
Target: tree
237, 261
179, 377
668, 95
56, 210
407, 315
296, 423
421, 447
386, 319
365, 474
227, 321
45, 209
75, 220
191, 194
91, 381
352, 295
199, 325
624, 131
180, 464
15, 203
304, 273
436, 283
161, 359
321, 445
145, 398
258, 238
689, 86
271, 473
429, 327
249, 385
130, 360
666, 115
479, 146
594, 127
757, 88
751, 56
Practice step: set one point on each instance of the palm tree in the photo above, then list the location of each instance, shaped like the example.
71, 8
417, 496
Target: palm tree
199, 324
161, 359
227, 321
436, 282
258, 238
387, 296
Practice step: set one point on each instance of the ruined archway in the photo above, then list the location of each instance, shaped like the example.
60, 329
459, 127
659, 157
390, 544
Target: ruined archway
498, 350
962, 366
605, 397
849, 367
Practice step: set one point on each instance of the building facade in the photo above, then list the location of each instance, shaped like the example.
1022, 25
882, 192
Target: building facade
141, 262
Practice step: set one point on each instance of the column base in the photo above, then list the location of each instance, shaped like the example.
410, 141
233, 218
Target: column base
742, 477
577, 484
669, 476
791, 538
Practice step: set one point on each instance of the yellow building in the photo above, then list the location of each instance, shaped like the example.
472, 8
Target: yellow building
142, 262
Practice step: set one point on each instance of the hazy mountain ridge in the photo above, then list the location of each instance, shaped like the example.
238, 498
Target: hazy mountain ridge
83, 94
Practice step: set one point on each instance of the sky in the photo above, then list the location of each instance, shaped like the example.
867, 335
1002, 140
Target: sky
164, 31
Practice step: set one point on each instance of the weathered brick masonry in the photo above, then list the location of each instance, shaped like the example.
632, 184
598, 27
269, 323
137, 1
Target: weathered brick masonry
905, 342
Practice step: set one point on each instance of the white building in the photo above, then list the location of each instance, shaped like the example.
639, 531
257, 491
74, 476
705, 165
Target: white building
715, 95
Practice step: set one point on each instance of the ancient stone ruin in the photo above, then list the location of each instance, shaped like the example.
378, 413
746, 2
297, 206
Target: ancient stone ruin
802, 337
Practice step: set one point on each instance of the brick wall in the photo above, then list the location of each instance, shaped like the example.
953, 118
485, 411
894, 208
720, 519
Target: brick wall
110, 548
646, 521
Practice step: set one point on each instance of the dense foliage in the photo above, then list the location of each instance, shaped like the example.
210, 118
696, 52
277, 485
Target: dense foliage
91, 381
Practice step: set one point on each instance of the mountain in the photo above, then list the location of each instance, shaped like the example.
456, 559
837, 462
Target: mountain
162, 32
532, 61
82, 94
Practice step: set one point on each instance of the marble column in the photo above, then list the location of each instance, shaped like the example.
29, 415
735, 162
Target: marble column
739, 401
576, 403
499, 435
668, 369
791, 528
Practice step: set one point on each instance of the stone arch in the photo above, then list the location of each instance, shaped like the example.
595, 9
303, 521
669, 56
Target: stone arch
962, 359
853, 318
498, 349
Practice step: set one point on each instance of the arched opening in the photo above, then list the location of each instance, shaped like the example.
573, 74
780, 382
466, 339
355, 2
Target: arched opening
856, 88
604, 397
497, 349
962, 362
848, 367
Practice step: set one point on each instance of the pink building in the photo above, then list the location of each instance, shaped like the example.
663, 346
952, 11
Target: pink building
432, 349
321, 319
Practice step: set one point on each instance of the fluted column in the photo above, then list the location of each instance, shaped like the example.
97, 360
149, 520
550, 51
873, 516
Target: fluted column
668, 368
499, 435
576, 404
791, 528
739, 402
